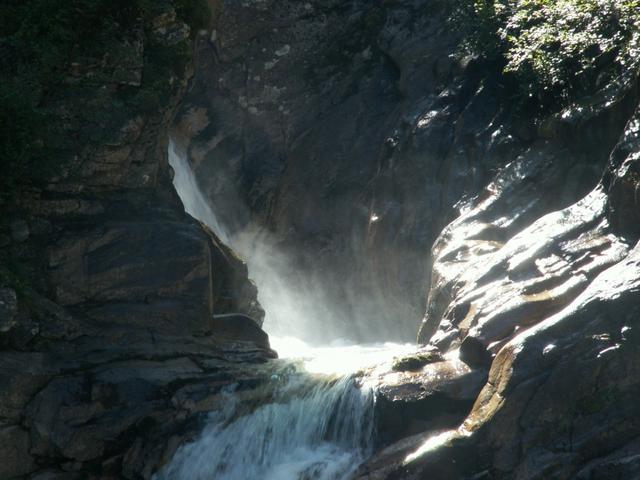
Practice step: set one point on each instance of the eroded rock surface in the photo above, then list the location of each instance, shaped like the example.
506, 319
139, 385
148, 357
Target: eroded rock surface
361, 135
550, 308
356, 132
117, 320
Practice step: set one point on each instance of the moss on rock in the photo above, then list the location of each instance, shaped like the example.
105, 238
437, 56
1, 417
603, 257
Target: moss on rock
558, 50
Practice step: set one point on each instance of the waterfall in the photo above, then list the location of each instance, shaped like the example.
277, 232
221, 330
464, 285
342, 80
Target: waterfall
317, 424
192, 197
312, 429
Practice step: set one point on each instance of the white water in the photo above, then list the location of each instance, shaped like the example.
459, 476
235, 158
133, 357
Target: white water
338, 358
316, 424
192, 198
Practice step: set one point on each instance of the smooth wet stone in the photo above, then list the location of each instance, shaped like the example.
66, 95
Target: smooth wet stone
130, 273
438, 395
547, 298
117, 285
570, 381
235, 326
624, 189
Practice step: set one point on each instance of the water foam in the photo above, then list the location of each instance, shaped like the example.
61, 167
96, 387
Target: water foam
312, 429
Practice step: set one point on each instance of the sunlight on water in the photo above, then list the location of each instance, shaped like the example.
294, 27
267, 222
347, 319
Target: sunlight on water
338, 358
316, 424
430, 445
435, 442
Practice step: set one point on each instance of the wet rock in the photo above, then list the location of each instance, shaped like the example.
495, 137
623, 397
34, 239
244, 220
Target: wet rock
374, 149
53, 475
416, 361
508, 287
19, 231
236, 327
589, 412
622, 463
474, 353
624, 190
22, 375
291, 132
120, 285
522, 281
284, 148
129, 59
435, 396
15, 459
128, 376
54, 418
130, 274
558, 400
8, 309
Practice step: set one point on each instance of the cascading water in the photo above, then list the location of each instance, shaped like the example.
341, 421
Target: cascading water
194, 202
311, 429
317, 422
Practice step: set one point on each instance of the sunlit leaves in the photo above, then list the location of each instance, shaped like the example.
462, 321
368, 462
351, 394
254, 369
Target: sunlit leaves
559, 48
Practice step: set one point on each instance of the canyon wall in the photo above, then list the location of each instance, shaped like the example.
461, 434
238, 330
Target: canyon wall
416, 181
121, 317
354, 133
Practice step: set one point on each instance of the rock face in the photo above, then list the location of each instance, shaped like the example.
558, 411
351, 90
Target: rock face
296, 110
551, 313
117, 310
352, 131
541, 293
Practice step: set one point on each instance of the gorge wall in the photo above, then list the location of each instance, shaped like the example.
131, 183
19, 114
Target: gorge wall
111, 296
354, 133
360, 137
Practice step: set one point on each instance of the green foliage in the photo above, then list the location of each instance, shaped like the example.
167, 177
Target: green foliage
559, 49
478, 21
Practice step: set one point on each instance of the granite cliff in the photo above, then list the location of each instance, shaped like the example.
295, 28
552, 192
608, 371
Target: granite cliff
116, 308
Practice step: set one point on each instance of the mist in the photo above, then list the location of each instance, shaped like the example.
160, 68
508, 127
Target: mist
299, 302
